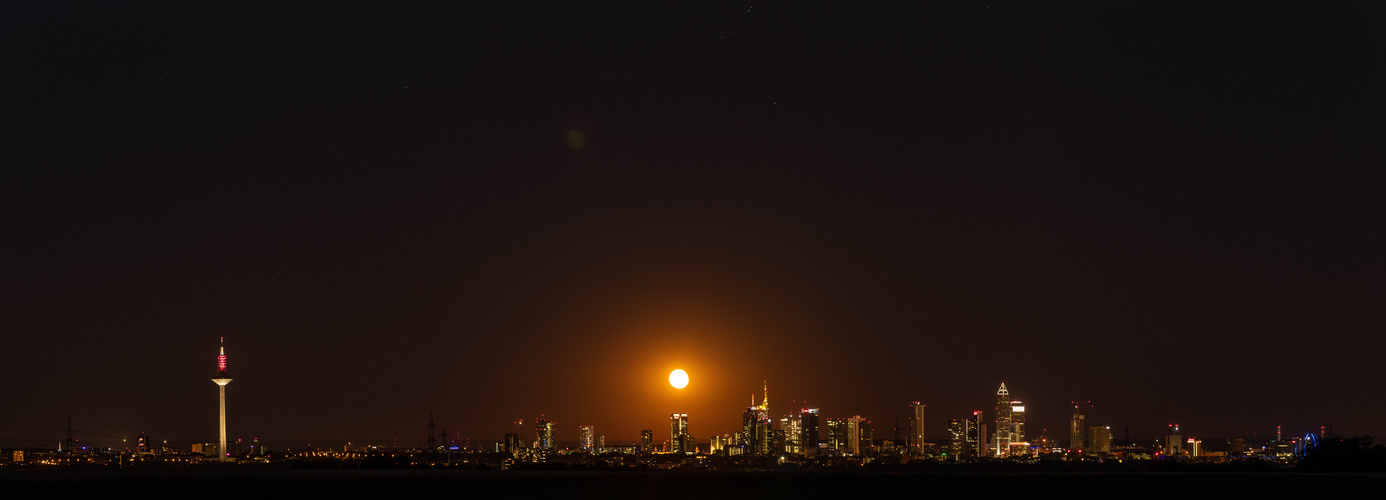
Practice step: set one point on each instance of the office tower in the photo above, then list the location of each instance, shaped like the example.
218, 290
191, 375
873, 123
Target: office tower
755, 426
983, 446
914, 442
808, 426
750, 423
512, 443
1236, 446
852, 431
976, 432
1100, 439
587, 436
838, 434
222, 378
1002, 440
678, 432
957, 436
646, 441
543, 434
1075, 429
859, 432
792, 426
1174, 441
779, 441
1017, 429
601, 445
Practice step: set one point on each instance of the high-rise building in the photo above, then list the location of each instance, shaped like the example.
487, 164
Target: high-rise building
838, 440
587, 438
1017, 429
860, 434
222, 378
792, 425
976, 433
543, 434
957, 438
808, 426
1076, 429
1100, 440
601, 445
755, 426
1002, 441
849, 435
512, 443
1174, 441
646, 441
914, 442
678, 432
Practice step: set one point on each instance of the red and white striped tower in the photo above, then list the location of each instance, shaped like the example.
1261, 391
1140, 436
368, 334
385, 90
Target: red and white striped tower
222, 379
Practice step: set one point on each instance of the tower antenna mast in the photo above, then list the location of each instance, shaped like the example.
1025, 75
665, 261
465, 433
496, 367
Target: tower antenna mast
222, 378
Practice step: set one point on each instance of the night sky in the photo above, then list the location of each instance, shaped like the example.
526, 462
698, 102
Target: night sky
499, 211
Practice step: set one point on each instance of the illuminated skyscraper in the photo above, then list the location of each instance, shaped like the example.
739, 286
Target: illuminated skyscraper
957, 438
646, 441
1017, 429
512, 443
755, 426
587, 438
1002, 442
976, 432
808, 425
678, 432
859, 434
543, 434
793, 427
222, 378
838, 435
914, 442
1077, 428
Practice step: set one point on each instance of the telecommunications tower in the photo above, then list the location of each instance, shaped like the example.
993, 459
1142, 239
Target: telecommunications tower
222, 378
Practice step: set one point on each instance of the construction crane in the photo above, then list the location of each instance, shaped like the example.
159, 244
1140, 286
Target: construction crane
1078, 406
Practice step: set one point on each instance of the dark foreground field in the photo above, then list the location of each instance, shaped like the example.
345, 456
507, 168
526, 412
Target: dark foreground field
214, 484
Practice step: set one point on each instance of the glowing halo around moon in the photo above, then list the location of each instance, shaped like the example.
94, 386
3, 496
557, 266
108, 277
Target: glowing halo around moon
678, 379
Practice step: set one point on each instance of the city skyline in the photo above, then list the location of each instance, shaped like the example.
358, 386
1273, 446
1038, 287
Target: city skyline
548, 433
495, 212
757, 426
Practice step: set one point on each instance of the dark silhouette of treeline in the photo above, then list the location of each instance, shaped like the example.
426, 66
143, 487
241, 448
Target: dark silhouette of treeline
1345, 454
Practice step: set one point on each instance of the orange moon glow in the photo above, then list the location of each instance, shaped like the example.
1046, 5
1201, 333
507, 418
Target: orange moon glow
678, 379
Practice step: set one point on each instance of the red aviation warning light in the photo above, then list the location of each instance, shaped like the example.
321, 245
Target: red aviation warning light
221, 358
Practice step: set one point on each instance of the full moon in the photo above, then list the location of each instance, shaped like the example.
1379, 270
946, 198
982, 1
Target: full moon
678, 379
